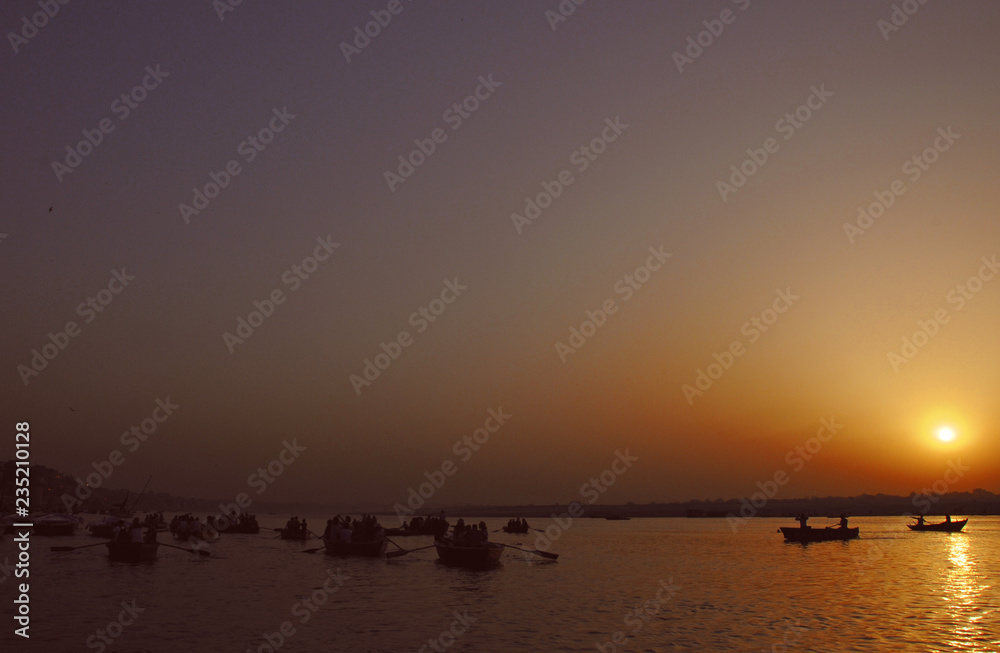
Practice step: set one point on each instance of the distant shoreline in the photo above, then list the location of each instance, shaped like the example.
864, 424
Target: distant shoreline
52, 485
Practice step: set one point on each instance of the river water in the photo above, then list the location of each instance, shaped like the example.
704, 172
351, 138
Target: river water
639, 585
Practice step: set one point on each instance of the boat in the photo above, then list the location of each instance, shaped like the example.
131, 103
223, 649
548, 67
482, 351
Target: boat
831, 533
617, 518
239, 523
294, 534
55, 525
945, 526
520, 530
476, 557
105, 527
184, 535
132, 551
368, 549
435, 526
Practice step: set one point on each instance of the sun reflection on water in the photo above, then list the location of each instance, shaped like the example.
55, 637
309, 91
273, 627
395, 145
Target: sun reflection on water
962, 592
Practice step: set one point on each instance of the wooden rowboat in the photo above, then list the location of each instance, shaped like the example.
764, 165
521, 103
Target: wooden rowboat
796, 534
946, 526
476, 557
370, 549
301, 536
132, 551
55, 525
105, 527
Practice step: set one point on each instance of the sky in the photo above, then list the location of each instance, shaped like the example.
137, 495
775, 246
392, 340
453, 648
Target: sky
702, 238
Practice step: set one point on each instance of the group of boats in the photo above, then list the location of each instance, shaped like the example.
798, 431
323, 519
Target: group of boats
465, 546
805, 533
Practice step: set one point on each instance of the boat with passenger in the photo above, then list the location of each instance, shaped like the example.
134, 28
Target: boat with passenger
295, 529
105, 526
947, 526
805, 533
474, 556
468, 546
185, 527
519, 526
358, 537
240, 524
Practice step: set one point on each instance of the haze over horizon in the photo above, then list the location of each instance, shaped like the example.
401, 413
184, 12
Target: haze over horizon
776, 252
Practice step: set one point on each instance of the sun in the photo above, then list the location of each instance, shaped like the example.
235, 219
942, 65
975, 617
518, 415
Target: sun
946, 434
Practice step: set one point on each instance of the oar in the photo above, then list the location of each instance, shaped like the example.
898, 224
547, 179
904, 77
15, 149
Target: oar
544, 554
318, 548
180, 548
403, 552
394, 544
74, 548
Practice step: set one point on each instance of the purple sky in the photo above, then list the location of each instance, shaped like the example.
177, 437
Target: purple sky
838, 103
